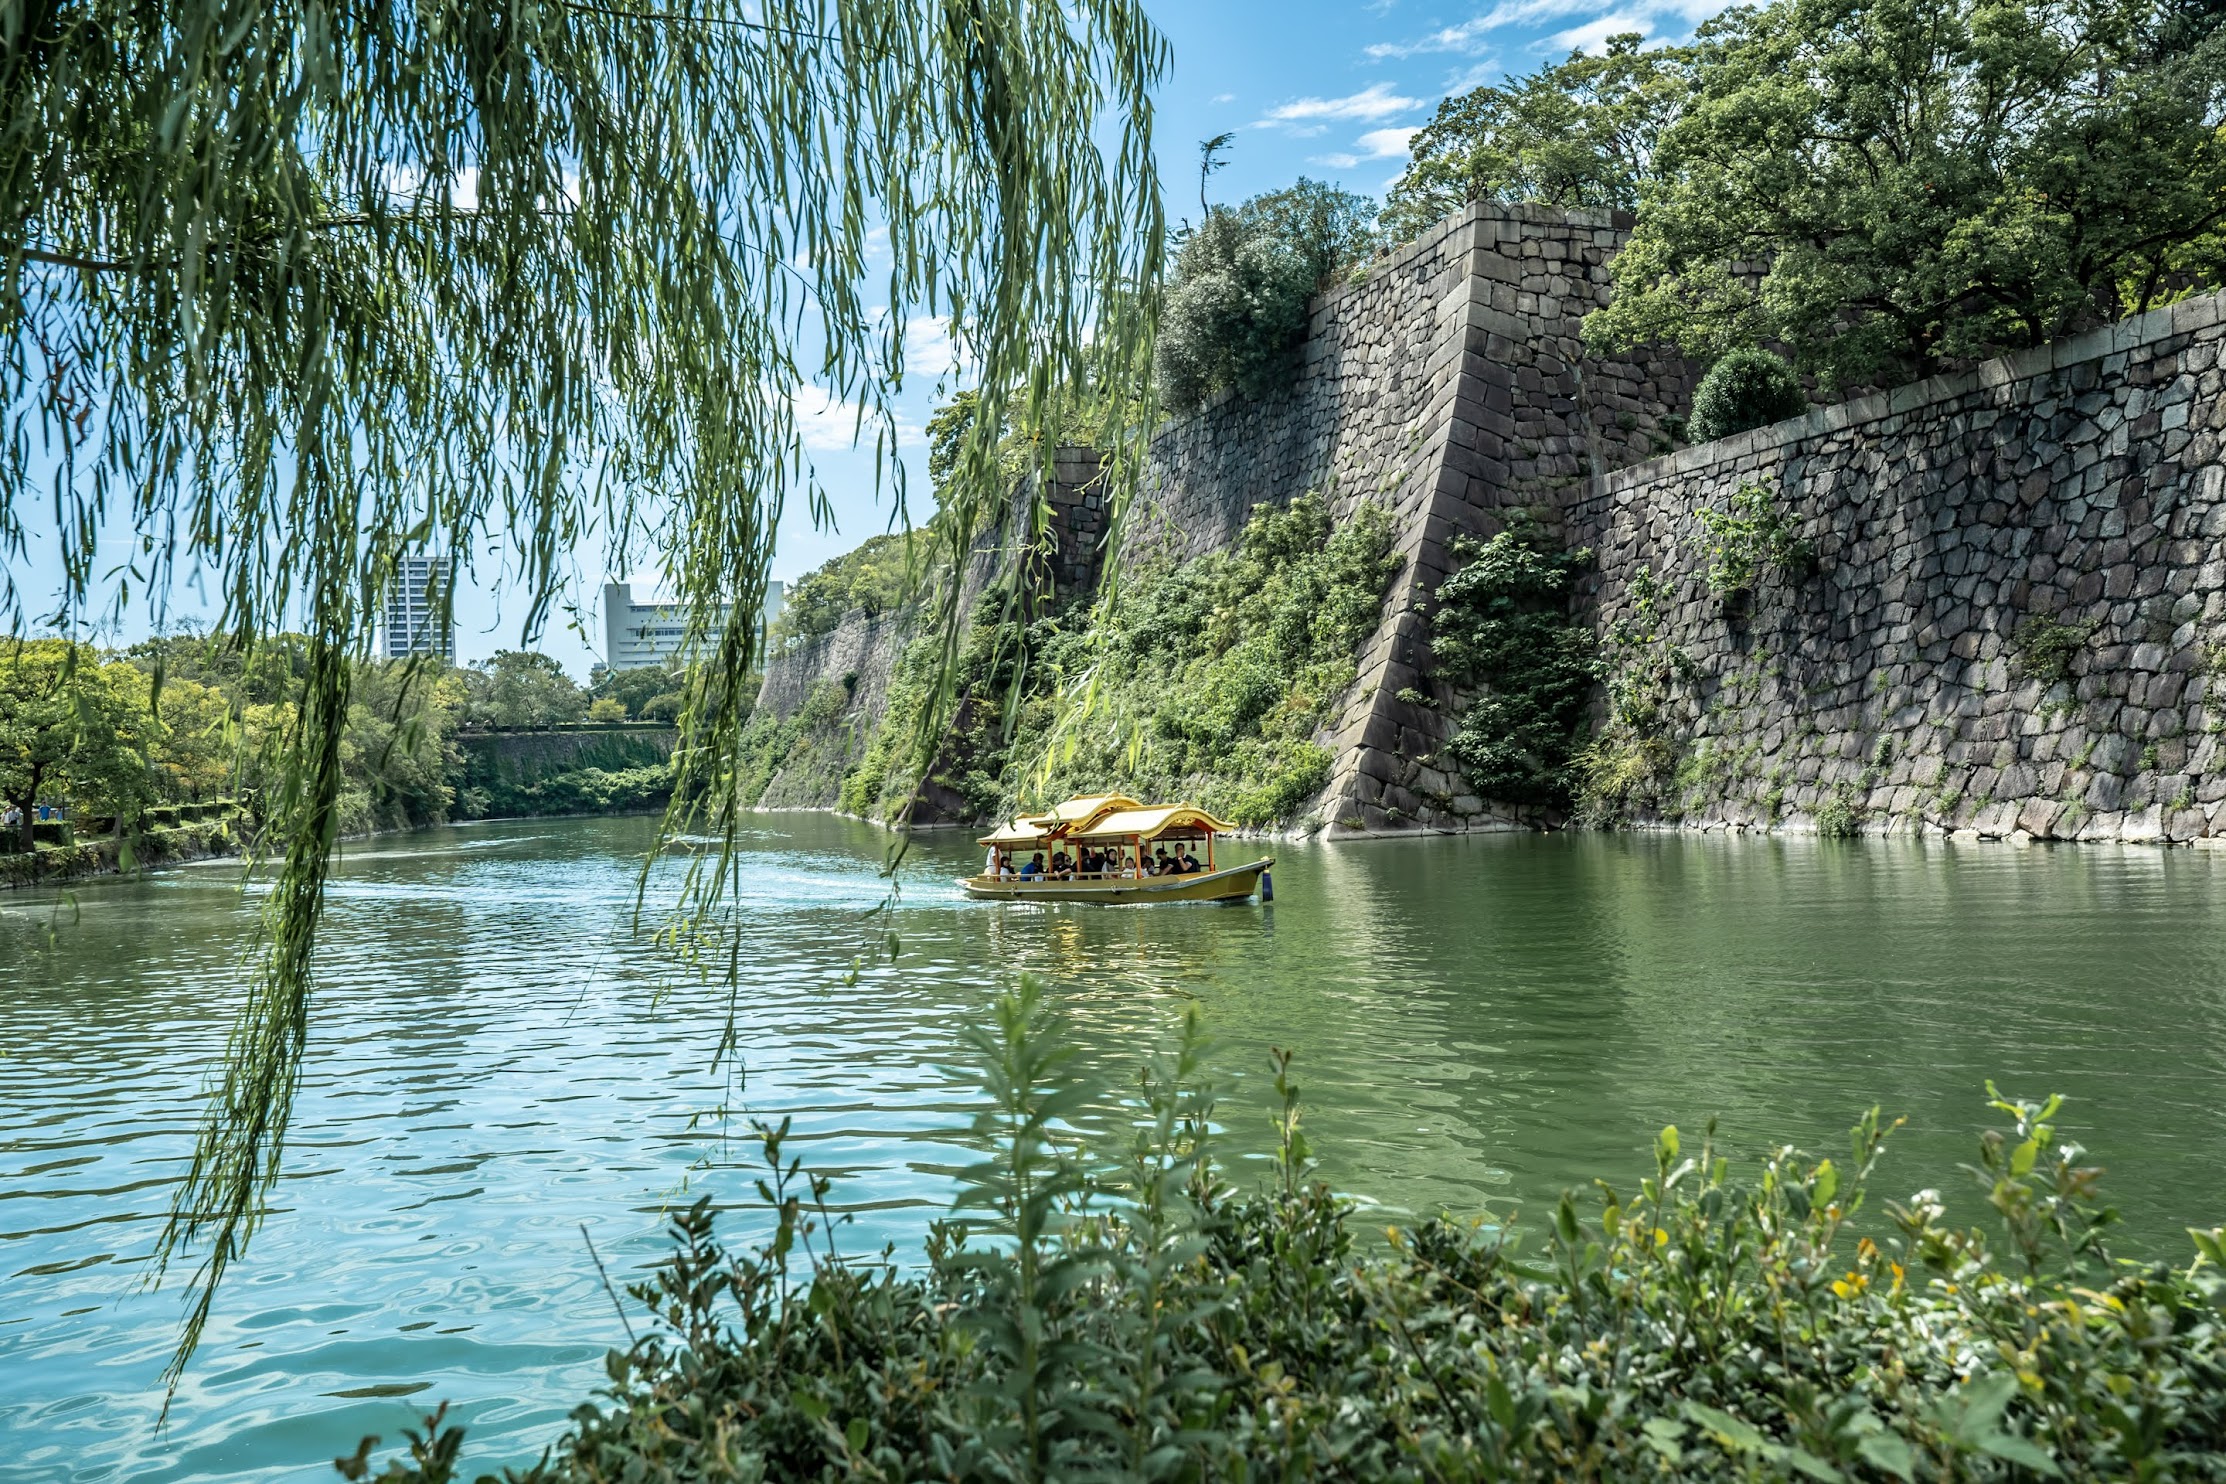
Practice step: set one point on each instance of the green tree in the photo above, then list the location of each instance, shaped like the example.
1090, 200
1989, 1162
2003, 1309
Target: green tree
1235, 308
195, 751
1887, 185
521, 688
303, 287
68, 729
633, 689
400, 751
1580, 132
877, 576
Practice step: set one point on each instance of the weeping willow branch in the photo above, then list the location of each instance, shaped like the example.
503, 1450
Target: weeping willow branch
591, 263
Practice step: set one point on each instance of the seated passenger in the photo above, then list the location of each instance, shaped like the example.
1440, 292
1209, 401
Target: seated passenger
1093, 864
1033, 871
1161, 865
1190, 861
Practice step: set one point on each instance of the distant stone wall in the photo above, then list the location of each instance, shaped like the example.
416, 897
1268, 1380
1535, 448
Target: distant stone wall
2081, 483
521, 757
859, 655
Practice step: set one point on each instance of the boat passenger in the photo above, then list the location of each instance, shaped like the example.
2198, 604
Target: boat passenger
1161, 865
989, 864
1033, 871
1190, 860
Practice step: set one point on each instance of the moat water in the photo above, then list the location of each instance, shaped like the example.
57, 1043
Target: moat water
501, 1068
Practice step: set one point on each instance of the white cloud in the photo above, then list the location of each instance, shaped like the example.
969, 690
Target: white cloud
929, 349
1225, 97
1339, 161
1309, 115
1593, 24
1388, 144
827, 424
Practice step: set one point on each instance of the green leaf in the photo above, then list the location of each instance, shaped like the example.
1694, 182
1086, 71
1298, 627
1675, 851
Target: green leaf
1664, 1435
855, 1434
1984, 1400
1888, 1453
2023, 1452
1728, 1430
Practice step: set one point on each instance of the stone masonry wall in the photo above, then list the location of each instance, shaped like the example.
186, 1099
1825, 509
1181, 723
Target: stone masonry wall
1449, 386
2081, 484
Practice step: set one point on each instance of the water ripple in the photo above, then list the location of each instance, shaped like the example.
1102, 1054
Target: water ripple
499, 1058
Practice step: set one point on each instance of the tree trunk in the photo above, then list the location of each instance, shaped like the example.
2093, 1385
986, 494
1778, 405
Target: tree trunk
29, 804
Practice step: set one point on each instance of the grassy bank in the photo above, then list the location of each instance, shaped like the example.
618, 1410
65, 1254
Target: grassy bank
1104, 1304
1210, 680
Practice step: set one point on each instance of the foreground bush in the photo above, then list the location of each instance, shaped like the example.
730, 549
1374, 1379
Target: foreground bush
1141, 1321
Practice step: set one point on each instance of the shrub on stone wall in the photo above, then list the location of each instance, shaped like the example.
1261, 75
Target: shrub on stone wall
2045, 646
1750, 538
1749, 388
1235, 308
1502, 633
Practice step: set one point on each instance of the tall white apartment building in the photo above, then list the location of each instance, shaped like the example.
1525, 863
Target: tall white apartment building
643, 631
413, 620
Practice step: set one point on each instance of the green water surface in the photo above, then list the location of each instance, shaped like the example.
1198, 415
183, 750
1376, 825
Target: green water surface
497, 1062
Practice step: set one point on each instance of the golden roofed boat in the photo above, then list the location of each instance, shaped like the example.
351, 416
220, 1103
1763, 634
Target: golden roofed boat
1112, 848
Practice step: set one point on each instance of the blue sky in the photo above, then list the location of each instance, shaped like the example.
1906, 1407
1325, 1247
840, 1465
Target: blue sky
1323, 88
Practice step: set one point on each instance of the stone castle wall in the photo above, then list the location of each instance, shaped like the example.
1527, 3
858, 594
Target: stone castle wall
2080, 485
1449, 386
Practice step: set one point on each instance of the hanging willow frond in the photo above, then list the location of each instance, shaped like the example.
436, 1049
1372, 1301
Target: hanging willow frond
295, 287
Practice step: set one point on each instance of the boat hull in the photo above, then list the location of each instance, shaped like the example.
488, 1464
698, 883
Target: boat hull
1232, 885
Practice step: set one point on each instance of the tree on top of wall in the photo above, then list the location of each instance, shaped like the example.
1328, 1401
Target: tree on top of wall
1887, 187
1235, 307
1579, 132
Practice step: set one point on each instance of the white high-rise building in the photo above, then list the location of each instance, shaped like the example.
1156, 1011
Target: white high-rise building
415, 620
643, 631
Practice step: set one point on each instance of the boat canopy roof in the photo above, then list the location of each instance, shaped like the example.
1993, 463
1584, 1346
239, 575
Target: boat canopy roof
1016, 832
1152, 822
1078, 812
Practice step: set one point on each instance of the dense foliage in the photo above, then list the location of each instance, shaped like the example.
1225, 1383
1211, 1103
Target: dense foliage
520, 688
1234, 310
117, 737
1880, 186
1205, 681
1747, 388
1502, 634
1105, 1305
1885, 186
1575, 133
879, 576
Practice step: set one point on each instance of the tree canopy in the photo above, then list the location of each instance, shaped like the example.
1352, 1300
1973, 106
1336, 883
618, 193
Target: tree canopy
521, 688
68, 729
295, 289
1884, 186
1235, 306
1580, 132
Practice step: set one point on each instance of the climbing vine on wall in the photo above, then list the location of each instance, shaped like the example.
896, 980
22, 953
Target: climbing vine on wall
1502, 633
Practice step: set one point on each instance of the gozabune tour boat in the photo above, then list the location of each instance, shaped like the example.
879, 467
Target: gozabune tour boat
1110, 848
